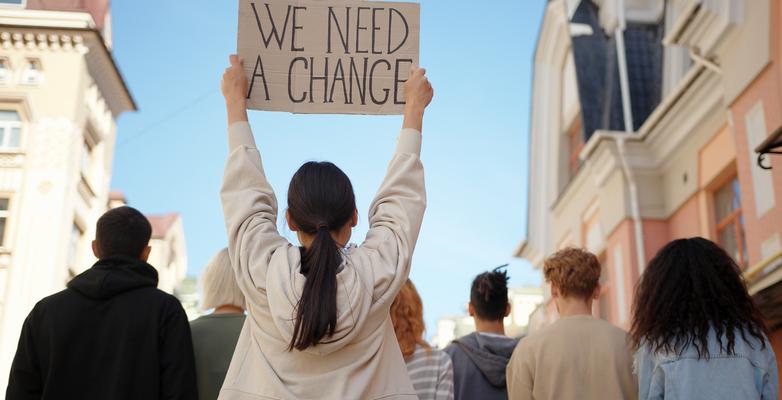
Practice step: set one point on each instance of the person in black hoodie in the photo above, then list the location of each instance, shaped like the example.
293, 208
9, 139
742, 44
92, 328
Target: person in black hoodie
111, 334
480, 358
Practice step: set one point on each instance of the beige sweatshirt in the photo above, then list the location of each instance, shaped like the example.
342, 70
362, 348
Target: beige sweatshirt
362, 360
579, 357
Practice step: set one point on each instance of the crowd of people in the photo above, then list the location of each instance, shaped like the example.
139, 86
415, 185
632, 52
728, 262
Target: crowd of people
329, 320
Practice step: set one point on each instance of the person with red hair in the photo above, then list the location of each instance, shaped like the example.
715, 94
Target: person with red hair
430, 370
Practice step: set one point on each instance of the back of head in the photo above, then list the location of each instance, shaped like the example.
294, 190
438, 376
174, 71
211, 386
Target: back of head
407, 315
489, 295
219, 283
320, 200
690, 287
122, 231
574, 272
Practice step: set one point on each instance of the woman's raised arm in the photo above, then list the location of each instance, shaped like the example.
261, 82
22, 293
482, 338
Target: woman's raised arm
249, 203
397, 211
234, 88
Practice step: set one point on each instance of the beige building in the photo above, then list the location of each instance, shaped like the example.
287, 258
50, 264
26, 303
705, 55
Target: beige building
169, 253
523, 301
60, 97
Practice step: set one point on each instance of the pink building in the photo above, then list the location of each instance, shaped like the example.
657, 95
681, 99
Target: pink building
646, 126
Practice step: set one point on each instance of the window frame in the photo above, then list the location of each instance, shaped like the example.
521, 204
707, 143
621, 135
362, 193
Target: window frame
23, 77
87, 158
576, 143
734, 218
5, 214
22, 4
9, 73
8, 127
74, 246
605, 302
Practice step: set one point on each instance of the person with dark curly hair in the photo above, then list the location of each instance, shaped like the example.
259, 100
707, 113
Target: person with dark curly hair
698, 333
578, 356
480, 358
430, 369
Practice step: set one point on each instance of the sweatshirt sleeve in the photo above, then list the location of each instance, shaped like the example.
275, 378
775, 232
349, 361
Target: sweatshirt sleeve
395, 218
25, 380
444, 389
519, 374
250, 211
177, 362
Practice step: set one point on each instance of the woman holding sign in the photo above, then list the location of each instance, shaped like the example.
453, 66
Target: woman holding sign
318, 324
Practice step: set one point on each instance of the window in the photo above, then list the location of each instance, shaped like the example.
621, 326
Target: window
575, 137
10, 130
730, 221
4, 202
604, 303
86, 159
74, 245
32, 72
5, 70
17, 3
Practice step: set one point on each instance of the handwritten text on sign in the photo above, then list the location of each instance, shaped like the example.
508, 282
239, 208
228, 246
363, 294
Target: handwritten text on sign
328, 57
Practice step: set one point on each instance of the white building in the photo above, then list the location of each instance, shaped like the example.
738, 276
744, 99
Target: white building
60, 96
169, 253
524, 301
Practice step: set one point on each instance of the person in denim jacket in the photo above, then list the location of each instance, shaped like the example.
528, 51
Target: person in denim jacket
697, 332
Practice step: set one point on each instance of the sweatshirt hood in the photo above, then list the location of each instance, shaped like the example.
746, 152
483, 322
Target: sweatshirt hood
112, 276
490, 354
285, 283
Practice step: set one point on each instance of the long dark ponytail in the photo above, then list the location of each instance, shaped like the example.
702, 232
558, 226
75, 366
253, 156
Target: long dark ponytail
320, 200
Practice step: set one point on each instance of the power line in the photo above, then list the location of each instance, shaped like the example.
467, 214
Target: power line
167, 118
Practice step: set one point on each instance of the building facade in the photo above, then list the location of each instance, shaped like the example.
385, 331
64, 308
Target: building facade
647, 118
60, 96
169, 253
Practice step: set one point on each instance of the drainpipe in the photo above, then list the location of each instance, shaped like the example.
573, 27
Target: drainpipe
635, 209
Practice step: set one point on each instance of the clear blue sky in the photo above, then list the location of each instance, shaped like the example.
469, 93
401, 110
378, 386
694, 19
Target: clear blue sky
171, 152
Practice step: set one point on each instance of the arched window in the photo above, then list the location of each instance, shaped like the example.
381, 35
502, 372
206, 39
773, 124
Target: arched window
10, 130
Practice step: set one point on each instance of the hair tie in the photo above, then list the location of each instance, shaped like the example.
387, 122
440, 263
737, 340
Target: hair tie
323, 225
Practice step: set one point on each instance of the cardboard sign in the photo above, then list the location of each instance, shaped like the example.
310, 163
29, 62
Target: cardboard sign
328, 57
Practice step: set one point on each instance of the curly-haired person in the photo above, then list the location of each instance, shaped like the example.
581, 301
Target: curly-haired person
578, 356
698, 333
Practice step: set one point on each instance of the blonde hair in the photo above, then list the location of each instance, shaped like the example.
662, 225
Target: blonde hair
219, 283
407, 315
575, 272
